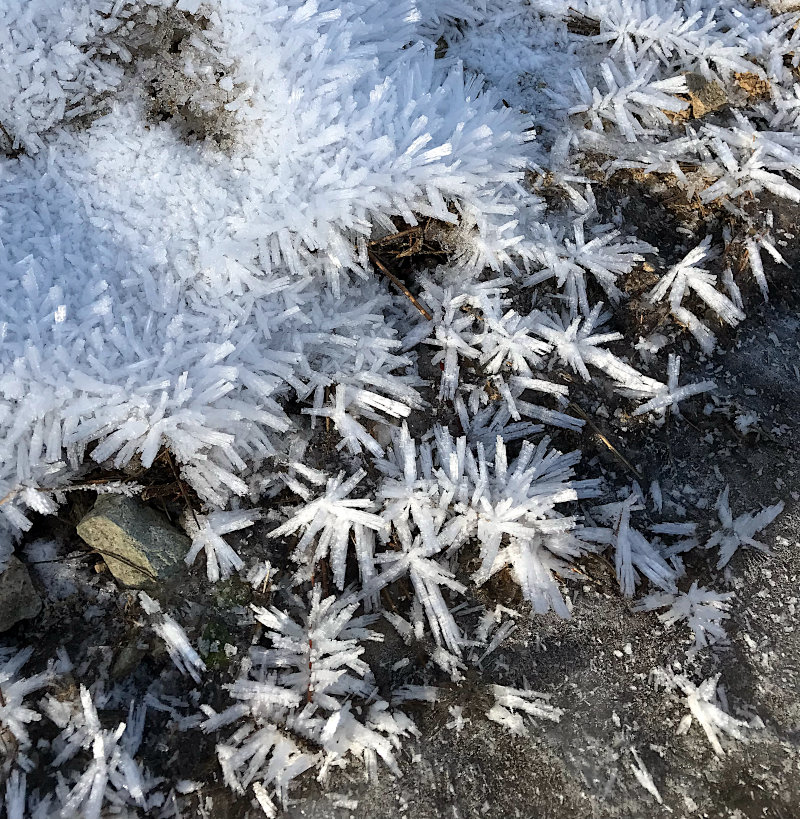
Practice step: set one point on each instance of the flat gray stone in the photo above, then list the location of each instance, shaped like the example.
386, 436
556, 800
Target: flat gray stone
138, 545
19, 600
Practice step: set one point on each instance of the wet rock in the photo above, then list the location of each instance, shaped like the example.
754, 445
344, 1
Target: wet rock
138, 544
19, 600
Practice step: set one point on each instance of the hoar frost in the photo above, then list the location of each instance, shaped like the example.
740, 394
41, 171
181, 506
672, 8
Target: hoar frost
161, 289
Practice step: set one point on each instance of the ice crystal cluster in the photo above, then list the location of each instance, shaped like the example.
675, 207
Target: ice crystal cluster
192, 263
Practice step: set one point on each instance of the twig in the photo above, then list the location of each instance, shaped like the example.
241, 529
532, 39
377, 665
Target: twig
309, 692
166, 511
327, 395
614, 451
416, 247
397, 283
668, 441
692, 425
386, 239
90, 484
180, 485
86, 485
129, 563
79, 556
387, 598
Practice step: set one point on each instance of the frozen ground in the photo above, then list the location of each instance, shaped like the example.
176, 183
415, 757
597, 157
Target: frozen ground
597, 665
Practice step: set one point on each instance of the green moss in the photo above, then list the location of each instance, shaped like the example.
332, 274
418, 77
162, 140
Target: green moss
232, 592
212, 645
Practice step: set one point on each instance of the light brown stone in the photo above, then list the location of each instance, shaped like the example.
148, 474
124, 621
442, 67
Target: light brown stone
706, 95
138, 545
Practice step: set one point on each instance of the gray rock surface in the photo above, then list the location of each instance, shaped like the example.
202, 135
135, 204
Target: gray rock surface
19, 600
138, 545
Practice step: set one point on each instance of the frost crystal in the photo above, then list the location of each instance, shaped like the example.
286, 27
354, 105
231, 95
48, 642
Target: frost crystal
345, 260
668, 396
14, 714
631, 100
16, 786
643, 776
686, 276
305, 689
702, 703
633, 552
206, 533
511, 705
113, 775
519, 501
427, 576
604, 255
739, 531
703, 610
330, 519
186, 659
318, 658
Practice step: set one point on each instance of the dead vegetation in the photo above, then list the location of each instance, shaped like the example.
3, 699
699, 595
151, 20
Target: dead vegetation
400, 256
162, 43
